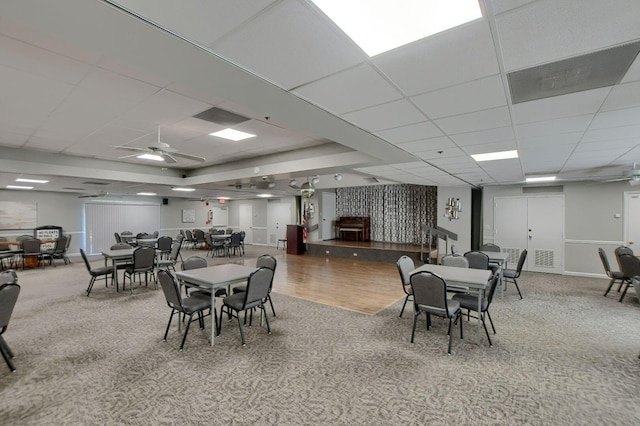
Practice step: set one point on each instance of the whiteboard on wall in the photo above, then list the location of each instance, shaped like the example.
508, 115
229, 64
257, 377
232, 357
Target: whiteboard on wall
18, 215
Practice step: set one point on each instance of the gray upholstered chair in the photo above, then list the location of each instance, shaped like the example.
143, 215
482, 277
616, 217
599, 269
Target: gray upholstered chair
143, 261
620, 251
234, 244
513, 275
8, 297
9, 276
264, 261
455, 261
103, 271
198, 238
6, 255
164, 245
189, 306
170, 262
490, 247
31, 250
470, 303
57, 252
430, 297
197, 262
258, 285
117, 237
405, 265
477, 260
630, 266
614, 275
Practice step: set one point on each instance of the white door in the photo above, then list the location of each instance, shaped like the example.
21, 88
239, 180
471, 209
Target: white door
532, 223
279, 216
245, 219
632, 220
328, 215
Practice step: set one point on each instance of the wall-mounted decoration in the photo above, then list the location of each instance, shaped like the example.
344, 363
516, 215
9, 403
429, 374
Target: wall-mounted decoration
452, 208
188, 216
18, 215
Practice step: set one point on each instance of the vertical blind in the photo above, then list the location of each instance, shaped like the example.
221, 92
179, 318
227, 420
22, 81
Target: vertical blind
102, 220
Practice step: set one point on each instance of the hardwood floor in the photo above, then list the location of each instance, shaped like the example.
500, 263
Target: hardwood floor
365, 287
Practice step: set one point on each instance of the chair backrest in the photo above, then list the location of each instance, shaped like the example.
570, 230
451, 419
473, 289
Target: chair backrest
8, 298
188, 235
86, 261
117, 237
61, 245
21, 238
120, 246
4, 247
8, 277
207, 239
199, 235
229, 231
194, 262
170, 288
242, 236
126, 233
477, 260
31, 246
405, 266
267, 261
143, 257
155, 234
605, 262
620, 251
164, 243
68, 241
490, 247
175, 251
455, 261
180, 237
235, 239
429, 293
493, 285
454, 250
258, 286
523, 257
629, 265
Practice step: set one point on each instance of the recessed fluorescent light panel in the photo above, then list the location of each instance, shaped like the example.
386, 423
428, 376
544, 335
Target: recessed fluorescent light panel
381, 25
150, 157
264, 195
183, 189
540, 179
31, 180
147, 193
234, 135
223, 198
18, 187
490, 156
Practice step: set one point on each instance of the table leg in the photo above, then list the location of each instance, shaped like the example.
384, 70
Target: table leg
115, 273
213, 314
480, 317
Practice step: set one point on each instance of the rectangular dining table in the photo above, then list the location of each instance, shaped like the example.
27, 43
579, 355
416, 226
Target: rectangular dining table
115, 256
213, 278
476, 280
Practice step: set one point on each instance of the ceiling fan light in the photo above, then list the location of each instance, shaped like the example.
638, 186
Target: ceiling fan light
315, 180
293, 182
153, 157
337, 177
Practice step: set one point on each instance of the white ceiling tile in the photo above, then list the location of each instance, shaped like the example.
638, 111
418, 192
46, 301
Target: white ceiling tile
365, 88
474, 57
166, 107
289, 45
622, 132
480, 120
617, 118
500, 6
587, 102
386, 116
564, 29
623, 96
551, 127
427, 144
490, 147
476, 95
498, 134
412, 132
633, 74
553, 141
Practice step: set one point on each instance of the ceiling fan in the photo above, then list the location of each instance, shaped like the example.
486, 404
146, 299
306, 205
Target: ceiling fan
631, 175
161, 149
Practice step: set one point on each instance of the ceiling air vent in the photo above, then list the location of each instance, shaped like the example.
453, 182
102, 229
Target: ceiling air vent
371, 180
90, 182
591, 71
221, 116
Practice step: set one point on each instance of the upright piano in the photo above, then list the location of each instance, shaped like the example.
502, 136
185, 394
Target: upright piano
353, 228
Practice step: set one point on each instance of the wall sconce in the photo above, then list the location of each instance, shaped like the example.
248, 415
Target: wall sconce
452, 208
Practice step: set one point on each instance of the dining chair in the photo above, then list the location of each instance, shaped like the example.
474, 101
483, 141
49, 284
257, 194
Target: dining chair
143, 261
513, 275
188, 306
31, 250
9, 276
6, 255
198, 237
614, 275
455, 261
630, 266
170, 262
479, 260
405, 265
197, 262
234, 243
430, 298
491, 247
164, 245
65, 257
117, 237
620, 250
102, 271
470, 303
57, 252
9, 293
258, 285
263, 261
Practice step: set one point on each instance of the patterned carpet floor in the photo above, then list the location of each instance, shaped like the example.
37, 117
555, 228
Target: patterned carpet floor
565, 355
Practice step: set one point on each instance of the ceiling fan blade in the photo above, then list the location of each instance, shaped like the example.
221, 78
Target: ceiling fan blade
188, 156
129, 156
168, 158
131, 148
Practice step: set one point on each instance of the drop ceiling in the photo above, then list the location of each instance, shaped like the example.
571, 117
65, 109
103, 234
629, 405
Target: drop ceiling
80, 77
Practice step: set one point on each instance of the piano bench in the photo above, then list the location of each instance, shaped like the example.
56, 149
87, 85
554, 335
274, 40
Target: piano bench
357, 232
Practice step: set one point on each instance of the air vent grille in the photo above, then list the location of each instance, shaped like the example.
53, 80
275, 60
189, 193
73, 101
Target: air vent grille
591, 71
90, 182
514, 256
221, 116
544, 258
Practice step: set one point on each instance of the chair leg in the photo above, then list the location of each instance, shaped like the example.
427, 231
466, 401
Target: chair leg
613, 280
186, 331
271, 303
415, 319
403, 305
93, 280
266, 319
486, 331
6, 354
517, 288
491, 322
624, 292
460, 319
449, 333
168, 325
241, 329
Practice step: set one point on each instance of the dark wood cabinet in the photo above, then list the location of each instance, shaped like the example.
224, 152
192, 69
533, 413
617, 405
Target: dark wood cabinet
295, 244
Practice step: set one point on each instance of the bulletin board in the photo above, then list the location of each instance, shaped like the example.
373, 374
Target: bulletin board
18, 215
188, 216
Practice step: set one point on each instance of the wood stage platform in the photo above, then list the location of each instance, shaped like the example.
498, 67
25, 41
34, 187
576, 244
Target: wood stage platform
374, 251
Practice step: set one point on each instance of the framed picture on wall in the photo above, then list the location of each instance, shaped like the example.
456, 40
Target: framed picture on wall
188, 216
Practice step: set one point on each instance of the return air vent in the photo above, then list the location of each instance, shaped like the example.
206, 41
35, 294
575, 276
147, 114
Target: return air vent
591, 71
544, 258
513, 256
75, 189
90, 182
221, 116
372, 180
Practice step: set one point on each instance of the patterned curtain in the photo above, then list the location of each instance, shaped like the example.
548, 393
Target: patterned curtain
396, 211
